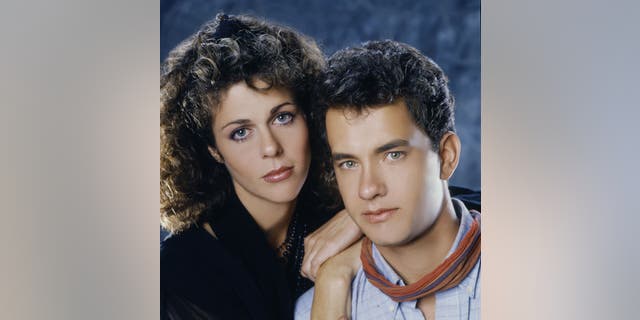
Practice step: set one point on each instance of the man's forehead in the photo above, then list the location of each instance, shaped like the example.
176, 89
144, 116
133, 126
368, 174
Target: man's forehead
348, 113
354, 129
386, 115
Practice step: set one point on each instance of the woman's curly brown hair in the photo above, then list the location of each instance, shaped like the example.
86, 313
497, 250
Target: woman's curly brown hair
225, 51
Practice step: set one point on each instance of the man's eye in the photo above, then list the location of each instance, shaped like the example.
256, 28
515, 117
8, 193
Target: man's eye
283, 118
349, 164
395, 155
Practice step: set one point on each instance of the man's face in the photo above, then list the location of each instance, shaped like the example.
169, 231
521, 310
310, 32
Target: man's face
387, 172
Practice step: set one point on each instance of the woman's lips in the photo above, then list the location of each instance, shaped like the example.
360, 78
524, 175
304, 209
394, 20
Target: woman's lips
278, 175
379, 215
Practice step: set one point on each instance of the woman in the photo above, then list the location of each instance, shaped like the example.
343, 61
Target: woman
238, 181
234, 161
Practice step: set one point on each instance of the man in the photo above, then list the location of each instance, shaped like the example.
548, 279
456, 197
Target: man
389, 123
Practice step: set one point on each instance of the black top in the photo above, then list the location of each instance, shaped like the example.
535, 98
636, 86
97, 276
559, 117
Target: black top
238, 276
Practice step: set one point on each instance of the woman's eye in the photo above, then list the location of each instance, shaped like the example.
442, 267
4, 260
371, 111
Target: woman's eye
395, 155
349, 164
283, 118
239, 134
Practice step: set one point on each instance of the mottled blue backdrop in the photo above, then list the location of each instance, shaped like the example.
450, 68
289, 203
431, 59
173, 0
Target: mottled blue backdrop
446, 31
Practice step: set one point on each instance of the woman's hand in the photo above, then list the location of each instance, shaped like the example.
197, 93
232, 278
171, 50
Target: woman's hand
332, 293
334, 236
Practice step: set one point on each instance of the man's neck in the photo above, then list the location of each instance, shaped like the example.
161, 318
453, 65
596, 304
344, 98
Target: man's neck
423, 254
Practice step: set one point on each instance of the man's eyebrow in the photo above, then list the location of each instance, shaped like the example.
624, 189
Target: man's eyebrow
385, 147
341, 156
246, 121
390, 145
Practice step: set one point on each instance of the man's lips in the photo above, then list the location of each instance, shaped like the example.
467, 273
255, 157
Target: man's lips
379, 215
278, 175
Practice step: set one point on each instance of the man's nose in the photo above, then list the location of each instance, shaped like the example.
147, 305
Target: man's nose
371, 183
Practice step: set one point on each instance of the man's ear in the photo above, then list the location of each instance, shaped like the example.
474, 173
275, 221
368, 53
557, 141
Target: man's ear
215, 154
449, 154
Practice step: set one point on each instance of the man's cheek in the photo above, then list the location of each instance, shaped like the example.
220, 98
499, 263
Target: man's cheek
346, 192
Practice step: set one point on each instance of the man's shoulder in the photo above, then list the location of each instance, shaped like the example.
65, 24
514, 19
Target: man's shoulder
303, 305
470, 198
359, 286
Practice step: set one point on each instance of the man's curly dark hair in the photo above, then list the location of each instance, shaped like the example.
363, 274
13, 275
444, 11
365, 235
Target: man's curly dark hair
225, 51
379, 73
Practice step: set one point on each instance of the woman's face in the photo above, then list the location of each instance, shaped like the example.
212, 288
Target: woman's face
262, 138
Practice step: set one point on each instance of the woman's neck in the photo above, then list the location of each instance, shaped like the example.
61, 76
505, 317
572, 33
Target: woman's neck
273, 218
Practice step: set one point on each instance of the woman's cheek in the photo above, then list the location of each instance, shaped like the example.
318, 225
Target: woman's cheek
241, 157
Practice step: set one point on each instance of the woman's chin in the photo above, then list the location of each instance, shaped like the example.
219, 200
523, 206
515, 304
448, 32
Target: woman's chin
282, 195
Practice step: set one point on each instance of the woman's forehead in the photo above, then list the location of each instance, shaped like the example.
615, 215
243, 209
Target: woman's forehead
242, 101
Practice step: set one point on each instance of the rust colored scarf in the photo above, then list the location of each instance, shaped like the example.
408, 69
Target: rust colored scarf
447, 275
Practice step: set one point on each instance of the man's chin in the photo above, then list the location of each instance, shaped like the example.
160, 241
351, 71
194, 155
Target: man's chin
386, 240
392, 237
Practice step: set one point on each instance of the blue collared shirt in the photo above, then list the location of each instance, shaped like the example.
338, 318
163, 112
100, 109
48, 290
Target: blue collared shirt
368, 302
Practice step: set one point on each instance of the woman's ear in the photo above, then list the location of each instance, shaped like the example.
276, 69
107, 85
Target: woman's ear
449, 154
215, 154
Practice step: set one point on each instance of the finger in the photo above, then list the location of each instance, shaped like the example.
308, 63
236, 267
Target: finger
309, 243
317, 258
309, 254
325, 252
305, 268
305, 271
311, 268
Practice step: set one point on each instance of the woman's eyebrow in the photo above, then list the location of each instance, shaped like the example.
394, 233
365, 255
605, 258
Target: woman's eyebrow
239, 121
277, 108
246, 121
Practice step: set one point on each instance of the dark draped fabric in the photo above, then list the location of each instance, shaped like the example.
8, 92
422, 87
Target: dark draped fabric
237, 276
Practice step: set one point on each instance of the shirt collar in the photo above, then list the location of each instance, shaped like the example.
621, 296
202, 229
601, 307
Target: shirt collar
465, 223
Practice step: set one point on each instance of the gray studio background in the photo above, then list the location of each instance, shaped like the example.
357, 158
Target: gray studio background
79, 166
446, 31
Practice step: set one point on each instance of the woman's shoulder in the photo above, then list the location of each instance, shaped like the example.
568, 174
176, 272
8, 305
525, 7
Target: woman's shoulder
201, 279
185, 253
191, 269
173, 246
